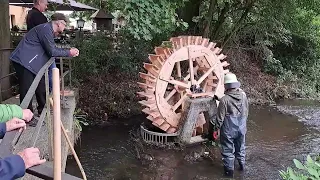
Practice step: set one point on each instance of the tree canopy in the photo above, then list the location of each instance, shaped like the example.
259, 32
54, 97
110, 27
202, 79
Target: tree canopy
283, 35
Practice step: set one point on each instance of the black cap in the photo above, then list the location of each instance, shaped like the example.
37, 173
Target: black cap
59, 16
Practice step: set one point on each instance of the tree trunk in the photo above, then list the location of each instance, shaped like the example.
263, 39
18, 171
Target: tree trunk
207, 28
221, 19
238, 24
4, 43
191, 9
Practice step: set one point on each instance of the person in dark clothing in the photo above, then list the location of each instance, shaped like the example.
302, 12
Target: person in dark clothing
34, 51
14, 166
34, 18
35, 15
231, 119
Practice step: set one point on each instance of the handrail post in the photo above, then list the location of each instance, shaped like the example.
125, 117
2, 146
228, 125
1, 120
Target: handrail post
62, 81
70, 70
49, 120
56, 124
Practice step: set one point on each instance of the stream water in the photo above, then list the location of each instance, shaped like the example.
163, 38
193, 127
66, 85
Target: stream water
276, 135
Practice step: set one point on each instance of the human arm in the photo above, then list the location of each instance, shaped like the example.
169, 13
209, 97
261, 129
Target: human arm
15, 166
9, 111
13, 124
12, 167
47, 41
221, 113
3, 130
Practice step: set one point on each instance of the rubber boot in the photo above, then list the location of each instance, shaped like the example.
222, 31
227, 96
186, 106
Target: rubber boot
228, 172
241, 166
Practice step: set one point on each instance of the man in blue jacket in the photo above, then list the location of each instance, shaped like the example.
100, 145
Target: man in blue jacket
15, 166
34, 51
34, 18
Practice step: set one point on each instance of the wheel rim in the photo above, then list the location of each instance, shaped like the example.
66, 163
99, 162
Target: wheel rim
169, 80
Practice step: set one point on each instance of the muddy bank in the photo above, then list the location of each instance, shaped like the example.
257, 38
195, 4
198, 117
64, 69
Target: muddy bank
106, 96
273, 140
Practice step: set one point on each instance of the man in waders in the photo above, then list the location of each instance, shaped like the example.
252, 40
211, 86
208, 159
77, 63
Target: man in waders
231, 119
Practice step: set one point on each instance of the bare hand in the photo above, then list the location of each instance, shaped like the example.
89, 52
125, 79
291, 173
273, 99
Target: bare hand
15, 123
27, 115
31, 157
74, 52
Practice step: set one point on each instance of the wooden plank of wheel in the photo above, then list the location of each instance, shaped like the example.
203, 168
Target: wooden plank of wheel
189, 60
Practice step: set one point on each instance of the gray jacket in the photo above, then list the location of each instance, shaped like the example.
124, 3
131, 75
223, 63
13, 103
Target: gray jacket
37, 47
232, 104
232, 119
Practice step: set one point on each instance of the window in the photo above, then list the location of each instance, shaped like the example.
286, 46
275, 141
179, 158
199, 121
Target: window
13, 20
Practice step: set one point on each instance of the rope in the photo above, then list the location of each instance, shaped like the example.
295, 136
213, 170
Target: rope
71, 147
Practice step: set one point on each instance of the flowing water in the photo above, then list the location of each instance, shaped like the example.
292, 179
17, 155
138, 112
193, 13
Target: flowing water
276, 135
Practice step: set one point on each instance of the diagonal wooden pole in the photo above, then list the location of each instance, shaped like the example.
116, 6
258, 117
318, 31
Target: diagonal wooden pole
71, 147
56, 124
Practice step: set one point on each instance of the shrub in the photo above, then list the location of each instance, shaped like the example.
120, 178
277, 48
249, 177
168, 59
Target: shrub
310, 170
110, 53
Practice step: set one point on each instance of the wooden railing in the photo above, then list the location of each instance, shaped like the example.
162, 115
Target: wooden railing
11, 138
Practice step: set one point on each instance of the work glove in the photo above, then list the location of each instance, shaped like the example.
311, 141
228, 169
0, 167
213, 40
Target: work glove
215, 135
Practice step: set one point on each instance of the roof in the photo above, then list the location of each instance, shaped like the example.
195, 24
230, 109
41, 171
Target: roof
101, 14
71, 5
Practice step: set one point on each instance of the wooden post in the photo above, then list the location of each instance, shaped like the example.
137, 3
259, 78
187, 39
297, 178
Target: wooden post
62, 82
56, 124
4, 44
49, 118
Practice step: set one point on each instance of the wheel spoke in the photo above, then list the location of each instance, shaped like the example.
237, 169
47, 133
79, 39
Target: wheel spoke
170, 94
178, 69
175, 107
203, 77
178, 83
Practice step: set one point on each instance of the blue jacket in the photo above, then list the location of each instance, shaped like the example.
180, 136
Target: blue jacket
37, 47
11, 167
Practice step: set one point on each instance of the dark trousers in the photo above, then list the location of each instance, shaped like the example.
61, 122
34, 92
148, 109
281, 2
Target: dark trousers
25, 79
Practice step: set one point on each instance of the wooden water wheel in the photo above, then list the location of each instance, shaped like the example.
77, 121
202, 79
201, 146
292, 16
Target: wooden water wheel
185, 66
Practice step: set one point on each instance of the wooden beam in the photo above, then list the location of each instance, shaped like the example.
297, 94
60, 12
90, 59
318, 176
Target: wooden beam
56, 124
178, 83
46, 173
4, 44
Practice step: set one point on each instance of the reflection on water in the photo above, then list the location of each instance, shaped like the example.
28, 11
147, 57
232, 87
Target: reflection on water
273, 140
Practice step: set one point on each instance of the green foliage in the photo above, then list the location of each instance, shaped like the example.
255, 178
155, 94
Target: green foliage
79, 120
308, 171
148, 18
110, 53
